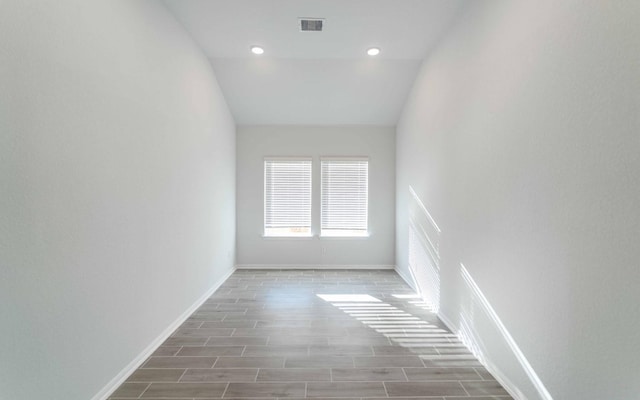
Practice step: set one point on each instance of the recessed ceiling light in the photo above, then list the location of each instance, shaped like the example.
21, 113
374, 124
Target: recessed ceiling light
374, 51
257, 50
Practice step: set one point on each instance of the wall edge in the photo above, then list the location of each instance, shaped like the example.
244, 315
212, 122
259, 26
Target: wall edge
119, 379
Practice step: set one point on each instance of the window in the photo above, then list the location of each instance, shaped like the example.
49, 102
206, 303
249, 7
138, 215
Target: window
287, 197
344, 198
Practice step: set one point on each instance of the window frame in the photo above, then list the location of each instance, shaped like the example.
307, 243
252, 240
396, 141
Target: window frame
346, 233
288, 235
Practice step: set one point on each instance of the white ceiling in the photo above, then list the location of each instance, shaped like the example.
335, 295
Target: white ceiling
315, 78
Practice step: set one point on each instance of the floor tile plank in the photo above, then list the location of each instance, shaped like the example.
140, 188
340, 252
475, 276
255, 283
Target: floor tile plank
269, 334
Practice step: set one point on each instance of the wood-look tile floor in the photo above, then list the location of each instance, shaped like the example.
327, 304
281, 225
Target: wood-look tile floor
321, 334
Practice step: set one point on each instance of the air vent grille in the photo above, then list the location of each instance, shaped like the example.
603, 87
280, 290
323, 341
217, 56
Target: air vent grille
311, 24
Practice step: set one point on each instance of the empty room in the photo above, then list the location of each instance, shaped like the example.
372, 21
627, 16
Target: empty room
319, 199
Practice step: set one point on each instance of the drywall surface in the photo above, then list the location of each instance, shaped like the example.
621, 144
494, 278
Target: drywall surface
254, 143
521, 139
117, 189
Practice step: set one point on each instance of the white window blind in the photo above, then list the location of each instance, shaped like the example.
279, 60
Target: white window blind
344, 198
287, 197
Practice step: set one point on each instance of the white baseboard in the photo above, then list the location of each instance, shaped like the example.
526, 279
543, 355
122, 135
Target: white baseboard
409, 281
110, 387
445, 320
485, 359
490, 318
311, 266
493, 370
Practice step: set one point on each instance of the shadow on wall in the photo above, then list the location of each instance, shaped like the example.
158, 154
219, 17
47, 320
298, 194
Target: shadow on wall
479, 320
424, 255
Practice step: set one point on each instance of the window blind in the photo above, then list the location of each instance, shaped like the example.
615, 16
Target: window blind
287, 197
344, 197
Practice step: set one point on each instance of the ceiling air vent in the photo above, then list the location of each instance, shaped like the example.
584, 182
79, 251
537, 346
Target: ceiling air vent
311, 24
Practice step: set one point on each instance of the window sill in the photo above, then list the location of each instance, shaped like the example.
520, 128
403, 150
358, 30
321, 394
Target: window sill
294, 237
356, 237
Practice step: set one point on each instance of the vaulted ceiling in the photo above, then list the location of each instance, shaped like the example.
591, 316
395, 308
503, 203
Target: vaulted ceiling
316, 78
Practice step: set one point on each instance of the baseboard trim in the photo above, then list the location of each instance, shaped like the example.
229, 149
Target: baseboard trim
404, 277
486, 359
445, 320
488, 364
493, 370
110, 387
311, 266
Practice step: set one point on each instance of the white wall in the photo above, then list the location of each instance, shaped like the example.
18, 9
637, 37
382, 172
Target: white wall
256, 142
117, 182
521, 138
